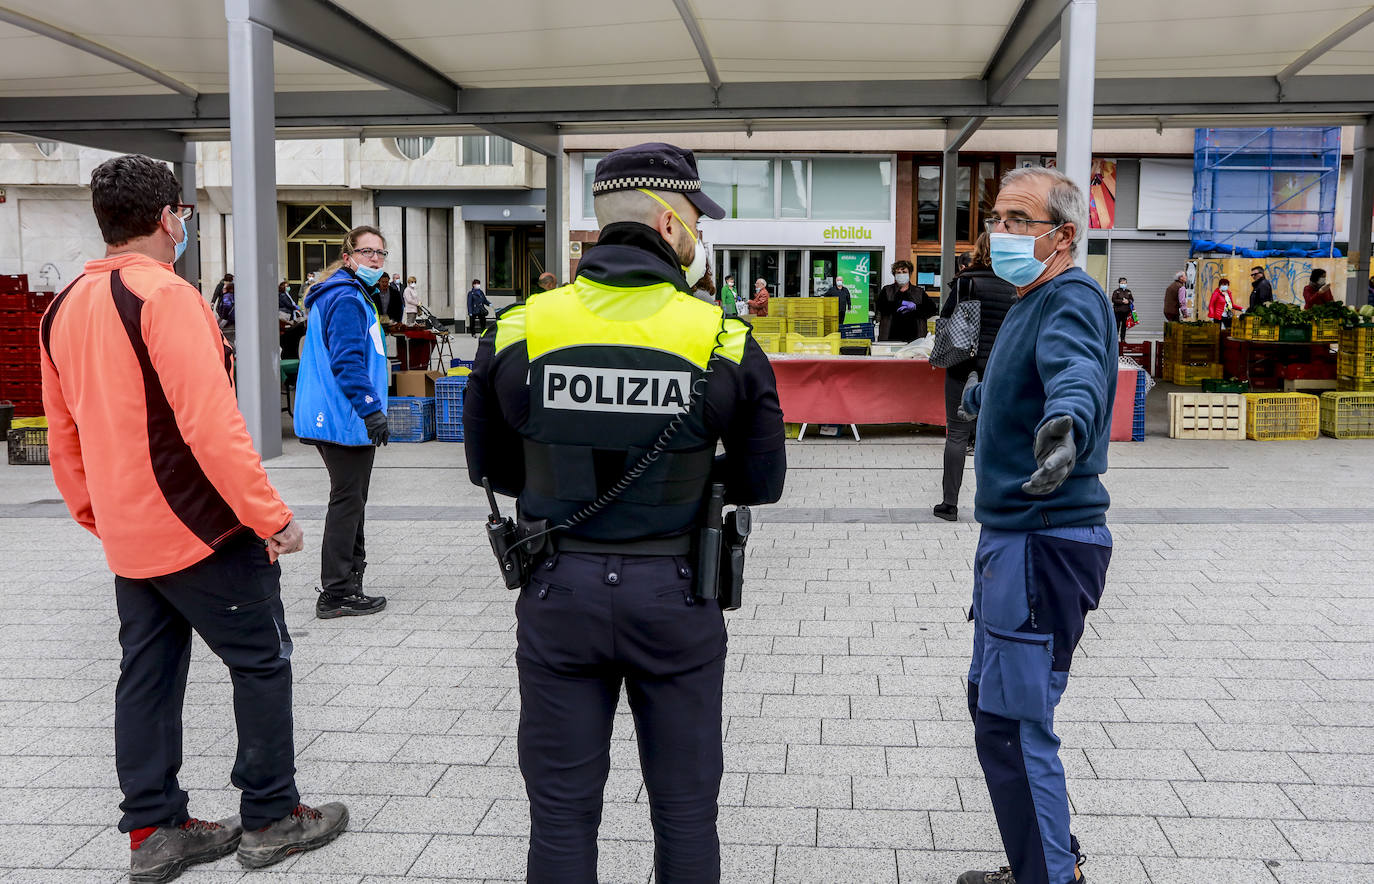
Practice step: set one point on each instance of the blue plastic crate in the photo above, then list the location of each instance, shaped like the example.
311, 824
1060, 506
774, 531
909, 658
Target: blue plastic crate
448, 408
411, 418
1138, 415
857, 330
461, 363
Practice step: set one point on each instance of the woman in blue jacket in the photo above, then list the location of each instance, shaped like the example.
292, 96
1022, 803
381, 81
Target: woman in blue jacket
341, 410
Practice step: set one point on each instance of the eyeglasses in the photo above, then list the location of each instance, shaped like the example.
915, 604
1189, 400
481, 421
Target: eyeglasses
371, 253
1014, 225
182, 211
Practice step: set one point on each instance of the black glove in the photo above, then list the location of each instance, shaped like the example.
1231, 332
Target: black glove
969, 384
1056, 455
378, 433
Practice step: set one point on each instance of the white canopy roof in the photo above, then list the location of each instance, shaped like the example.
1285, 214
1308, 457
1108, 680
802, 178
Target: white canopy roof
536, 68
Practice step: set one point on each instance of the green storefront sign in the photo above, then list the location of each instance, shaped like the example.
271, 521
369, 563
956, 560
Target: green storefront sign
854, 270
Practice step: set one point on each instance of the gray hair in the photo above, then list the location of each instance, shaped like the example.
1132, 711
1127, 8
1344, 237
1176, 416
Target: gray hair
1065, 202
631, 205
1181, 276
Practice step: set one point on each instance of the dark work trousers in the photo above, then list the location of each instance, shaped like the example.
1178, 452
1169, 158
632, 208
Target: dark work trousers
587, 624
1032, 592
477, 324
233, 601
957, 436
1121, 325
342, 551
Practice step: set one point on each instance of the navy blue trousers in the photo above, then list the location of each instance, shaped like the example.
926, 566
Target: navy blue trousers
233, 602
1031, 595
587, 625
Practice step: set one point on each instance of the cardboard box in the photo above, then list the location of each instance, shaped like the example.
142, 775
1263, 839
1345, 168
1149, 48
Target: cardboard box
416, 383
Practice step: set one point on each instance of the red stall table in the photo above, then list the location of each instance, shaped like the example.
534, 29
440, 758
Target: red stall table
857, 390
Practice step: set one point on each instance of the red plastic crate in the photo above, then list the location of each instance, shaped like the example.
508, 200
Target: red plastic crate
13, 319
18, 353
39, 301
1309, 371
14, 301
26, 391
18, 282
28, 407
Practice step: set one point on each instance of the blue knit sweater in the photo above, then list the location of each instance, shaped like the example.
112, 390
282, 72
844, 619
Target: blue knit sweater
1055, 355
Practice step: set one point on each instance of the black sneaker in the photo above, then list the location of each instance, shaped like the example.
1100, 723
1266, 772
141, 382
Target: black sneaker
305, 828
947, 511
327, 607
1001, 876
166, 853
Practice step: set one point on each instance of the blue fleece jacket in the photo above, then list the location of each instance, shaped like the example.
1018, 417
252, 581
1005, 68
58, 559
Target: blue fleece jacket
1055, 355
344, 372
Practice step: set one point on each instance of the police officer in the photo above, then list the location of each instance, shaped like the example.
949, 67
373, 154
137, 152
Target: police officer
569, 391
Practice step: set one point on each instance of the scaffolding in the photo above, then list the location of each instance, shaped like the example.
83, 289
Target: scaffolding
1270, 191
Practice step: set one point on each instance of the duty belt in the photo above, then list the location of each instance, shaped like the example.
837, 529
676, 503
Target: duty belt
680, 545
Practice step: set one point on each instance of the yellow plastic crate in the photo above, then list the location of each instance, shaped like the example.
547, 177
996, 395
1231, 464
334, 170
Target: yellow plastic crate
768, 342
1361, 336
811, 328
1347, 415
1190, 375
1273, 417
1188, 333
1326, 331
1168, 371
1264, 333
826, 346
768, 325
779, 308
810, 308
1355, 385
1240, 327
1206, 416
1357, 363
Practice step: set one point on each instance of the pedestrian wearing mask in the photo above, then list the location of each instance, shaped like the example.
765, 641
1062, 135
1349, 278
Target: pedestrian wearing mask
613, 604
758, 304
412, 302
341, 406
903, 308
477, 309
1221, 306
1317, 291
1045, 407
1123, 305
842, 294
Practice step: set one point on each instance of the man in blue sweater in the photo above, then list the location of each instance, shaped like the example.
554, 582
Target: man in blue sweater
1044, 419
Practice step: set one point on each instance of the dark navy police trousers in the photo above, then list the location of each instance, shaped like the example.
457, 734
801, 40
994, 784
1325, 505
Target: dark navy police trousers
232, 600
586, 625
1031, 595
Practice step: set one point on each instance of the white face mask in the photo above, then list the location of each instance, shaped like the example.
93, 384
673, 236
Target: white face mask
902, 278
1226, 288
697, 269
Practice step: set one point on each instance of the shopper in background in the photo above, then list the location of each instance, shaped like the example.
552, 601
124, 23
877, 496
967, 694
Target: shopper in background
412, 302
842, 293
341, 407
285, 303
1221, 306
1317, 291
758, 304
1041, 565
224, 311
994, 296
477, 309
1123, 305
394, 297
1173, 297
152, 456
1261, 292
888, 304
377, 294
218, 293
546, 282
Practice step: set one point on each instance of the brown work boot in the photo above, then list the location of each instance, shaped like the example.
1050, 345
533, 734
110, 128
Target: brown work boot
305, 828
166, 853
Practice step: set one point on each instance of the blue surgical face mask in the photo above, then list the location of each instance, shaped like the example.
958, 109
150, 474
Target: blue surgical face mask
179, 248
369, 275
1013, 257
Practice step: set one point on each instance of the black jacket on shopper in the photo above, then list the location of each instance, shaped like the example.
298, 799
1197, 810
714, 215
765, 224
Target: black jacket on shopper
996, 296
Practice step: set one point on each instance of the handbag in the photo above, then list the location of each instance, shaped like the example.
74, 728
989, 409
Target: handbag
956, 337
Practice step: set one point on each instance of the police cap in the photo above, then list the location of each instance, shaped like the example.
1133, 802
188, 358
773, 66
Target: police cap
655, 166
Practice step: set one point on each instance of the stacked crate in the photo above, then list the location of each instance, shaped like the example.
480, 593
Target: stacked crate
1192, 353
1355, 360
21, 312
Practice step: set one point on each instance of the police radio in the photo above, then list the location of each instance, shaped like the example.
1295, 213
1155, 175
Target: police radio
504, 537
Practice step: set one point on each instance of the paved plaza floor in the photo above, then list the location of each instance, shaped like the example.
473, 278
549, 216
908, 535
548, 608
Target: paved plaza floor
1218, 727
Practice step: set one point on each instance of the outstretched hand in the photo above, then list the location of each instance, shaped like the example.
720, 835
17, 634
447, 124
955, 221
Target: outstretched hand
1055, 454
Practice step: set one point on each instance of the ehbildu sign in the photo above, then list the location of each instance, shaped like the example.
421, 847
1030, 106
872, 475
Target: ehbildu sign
608, 389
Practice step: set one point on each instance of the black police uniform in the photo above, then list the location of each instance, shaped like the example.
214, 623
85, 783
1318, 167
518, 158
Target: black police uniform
569, 391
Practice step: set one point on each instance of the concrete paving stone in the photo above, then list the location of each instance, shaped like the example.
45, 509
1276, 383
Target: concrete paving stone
755, 757
867, 732
1247, 766
805, 706
906, 793
768, 729
869, 828
1191, 870
1320, 873
1239, 839
1325, 738
1336, 769
442, 816
767, 825
1249, 800
447, 749
390, 778
1270, 737
43, 846
471, 856
1124, 797
1149, 735
65, 876
744, 863
850, 760
1124, 835
337, 746
1142, 764
798, 790
1331, 802
801, 865
965, 830
1338, 842
934, 761
506, 816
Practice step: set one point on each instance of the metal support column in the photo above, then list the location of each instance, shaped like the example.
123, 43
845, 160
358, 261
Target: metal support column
189, 265
252, 112
949, 187
555, 241
1361, 216
1077, 69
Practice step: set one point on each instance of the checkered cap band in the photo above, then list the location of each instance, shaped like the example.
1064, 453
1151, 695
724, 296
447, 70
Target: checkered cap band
676, 184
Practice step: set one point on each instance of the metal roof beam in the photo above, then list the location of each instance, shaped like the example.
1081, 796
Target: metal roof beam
156, 143
1033, 32
1326, 44
538, 137
958, 130
322, 30
76, 41
689, 20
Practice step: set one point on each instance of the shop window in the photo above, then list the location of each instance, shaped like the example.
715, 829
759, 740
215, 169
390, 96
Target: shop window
46, 148
792, 272
589, 162
962, 216
988, 188
486, 150
858, 188
975, 192
500, 259
927, 202
794, 203
743, 187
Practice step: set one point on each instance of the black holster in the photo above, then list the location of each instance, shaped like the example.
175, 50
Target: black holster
720, 547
